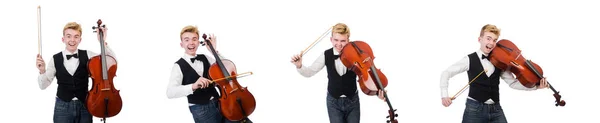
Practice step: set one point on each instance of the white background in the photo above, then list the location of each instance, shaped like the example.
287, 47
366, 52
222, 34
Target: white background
413, 42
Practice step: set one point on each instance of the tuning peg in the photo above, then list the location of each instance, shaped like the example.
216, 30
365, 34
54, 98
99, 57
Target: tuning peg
388, 121
94, 28
387, 116
395, 115
202, 43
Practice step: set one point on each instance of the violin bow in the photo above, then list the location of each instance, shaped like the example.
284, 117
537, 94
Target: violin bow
236, 76
39, 25
316, 41
463, 89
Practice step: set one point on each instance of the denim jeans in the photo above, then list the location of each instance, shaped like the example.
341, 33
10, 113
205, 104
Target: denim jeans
211, 113
343, 109
73, 111
477, 112
206, 113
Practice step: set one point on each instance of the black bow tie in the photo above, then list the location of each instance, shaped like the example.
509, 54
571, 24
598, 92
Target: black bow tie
194, 59
74, 55
484, 57
336, 57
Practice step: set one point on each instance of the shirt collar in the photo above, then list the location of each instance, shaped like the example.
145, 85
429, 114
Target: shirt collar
188, 56
479, 53
335, 52
66, 52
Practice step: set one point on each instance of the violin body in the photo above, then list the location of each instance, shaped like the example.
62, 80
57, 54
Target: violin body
507, 56
236, 101
103, 89
103, 100
360, 63
358, 57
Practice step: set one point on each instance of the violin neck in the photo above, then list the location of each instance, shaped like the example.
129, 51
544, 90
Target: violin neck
380, 86
103, 56
537, 73
218, 60
391, 110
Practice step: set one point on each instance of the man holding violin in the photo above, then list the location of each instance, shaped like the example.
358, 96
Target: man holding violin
70, 67
189, 78
343, 104
483, 103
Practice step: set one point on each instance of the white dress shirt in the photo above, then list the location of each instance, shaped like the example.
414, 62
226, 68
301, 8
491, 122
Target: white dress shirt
45, 79
175, 89
318, 65
463, 65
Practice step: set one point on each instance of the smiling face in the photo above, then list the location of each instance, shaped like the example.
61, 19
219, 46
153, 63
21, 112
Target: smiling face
339, 41
189, 40
488, 37
340, 36
487, 42
71, 36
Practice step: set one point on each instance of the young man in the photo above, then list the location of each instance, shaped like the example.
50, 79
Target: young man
483, 103
189, 77
343, 105
71, 71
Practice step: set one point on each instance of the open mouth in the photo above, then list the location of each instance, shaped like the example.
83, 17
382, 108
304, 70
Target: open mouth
71, 43
489, 47
191, 48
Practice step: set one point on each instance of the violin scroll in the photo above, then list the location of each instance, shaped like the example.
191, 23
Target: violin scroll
99, 22
392, 117
559, 102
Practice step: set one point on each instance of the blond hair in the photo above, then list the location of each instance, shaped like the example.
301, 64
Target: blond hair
189, 28
490, 28
341, 28
73, 26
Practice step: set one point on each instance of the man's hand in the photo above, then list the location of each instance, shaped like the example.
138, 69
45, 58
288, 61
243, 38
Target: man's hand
40, 64
104, 32
446, 101
213, 40
381, 95
201, 83
297, 60
543, 84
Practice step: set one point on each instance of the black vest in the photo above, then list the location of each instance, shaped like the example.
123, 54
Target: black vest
190, 76
339, 85
75, 85
484, 87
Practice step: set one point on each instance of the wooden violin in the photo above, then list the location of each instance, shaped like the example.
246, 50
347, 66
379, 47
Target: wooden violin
103, 99
236, 102
358, 57
507, 56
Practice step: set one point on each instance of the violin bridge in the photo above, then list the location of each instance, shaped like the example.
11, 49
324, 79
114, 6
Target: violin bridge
518, 56
233, 90
366, 60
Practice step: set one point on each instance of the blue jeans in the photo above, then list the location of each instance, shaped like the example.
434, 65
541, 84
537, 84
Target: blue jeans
206, 113
476, 112
210, 113
343, 109
73, 111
